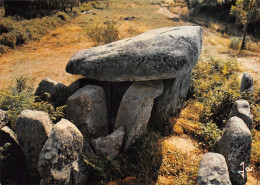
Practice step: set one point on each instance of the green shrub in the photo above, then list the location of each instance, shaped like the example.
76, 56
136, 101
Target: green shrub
210, 132
21, 97
235, 42
104, 34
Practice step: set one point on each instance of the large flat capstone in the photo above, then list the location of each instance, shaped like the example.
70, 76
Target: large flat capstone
162, 53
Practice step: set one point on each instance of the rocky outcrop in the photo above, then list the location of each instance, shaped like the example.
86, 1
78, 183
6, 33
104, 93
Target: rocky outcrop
33, 129
241, 109
87, 109
111, 144
135, 109
213, 170
50, 90
247, 83
235, 146
163, 53
173, 97
60, 159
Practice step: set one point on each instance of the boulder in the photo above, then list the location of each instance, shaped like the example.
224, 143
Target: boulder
241, 109
213, 170
247, 83
235, 146
172, 98
3, 117
109, 145
7, 136
60, 160
135, 109
163, 53
87, 109
50, 90
12, 158
33, 129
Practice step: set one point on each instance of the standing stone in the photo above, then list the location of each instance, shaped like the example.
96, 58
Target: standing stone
163, 53
33, 129
50, 90
247, 83
60, 159
235, 146
111, 144
87, 110
173, 97
3, 117
135, 109
213, 170
241, 109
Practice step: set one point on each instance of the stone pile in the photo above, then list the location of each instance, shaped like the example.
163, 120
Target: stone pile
234, 145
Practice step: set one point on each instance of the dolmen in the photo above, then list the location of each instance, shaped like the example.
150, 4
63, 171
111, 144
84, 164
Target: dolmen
138, 74
127, 81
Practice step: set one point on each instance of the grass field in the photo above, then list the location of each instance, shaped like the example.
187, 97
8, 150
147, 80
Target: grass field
48, 57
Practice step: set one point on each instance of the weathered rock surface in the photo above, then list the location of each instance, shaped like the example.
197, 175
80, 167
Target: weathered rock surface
50, 90
33, 129
213, 170
241, 109
163, 53
173, 97
60, 158
135, 109
87, 110
111, 144
3, 117
235, 146
247, 83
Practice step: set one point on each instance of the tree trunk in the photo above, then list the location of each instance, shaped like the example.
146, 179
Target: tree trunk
243, 44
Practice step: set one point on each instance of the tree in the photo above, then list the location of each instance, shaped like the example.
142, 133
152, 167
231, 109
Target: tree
245, 11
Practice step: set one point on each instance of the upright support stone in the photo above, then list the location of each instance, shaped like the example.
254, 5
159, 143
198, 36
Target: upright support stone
247, 83
33, 129
60, 159
241, 109
135, 109
213, 170
173, 97
88, 111
235, 146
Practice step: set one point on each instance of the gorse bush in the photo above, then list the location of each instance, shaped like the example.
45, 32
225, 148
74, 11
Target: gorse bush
104, 34
21, 97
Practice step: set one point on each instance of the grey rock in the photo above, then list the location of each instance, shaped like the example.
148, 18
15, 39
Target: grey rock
3, 117
247, 83
50, 90
241, 109
33, 129
60, 160
87, 110
173, 97
135, 109
111, 144
235, 146
213, 170
163, 53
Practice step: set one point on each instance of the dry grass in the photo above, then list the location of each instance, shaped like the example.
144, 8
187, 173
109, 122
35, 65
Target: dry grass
180, 163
